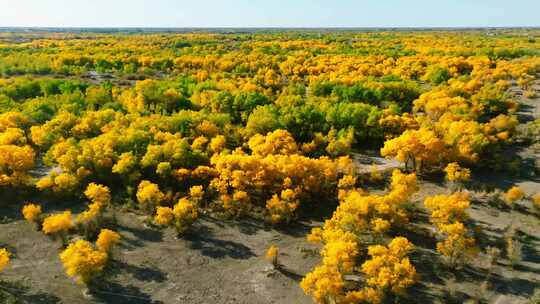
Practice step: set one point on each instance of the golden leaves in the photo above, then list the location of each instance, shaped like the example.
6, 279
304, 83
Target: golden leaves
32, 212
58, 223
106, 240
4, 258
82, 262
448, 212
149, 195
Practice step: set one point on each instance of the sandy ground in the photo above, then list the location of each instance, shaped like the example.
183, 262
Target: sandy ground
217, 262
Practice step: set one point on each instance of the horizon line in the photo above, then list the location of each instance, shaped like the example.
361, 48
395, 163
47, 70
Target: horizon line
236, 28
277, 27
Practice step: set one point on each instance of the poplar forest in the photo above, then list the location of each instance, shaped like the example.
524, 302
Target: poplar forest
270, 166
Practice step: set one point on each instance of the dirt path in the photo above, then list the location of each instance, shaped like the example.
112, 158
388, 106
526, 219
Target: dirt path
367, 163
530, 107
529, 111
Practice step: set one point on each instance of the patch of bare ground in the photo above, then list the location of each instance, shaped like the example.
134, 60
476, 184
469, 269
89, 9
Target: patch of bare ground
216, 262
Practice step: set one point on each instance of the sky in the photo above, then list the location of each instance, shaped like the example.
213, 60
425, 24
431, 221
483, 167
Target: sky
272, 13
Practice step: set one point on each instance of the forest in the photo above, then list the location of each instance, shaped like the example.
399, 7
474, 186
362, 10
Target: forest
270, 167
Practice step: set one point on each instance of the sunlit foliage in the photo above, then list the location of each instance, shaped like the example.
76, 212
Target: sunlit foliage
82, 262
32, 213
4, 259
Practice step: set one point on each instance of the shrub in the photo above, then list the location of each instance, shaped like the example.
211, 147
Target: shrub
149, 195
82, 262
32, 213
98, 194
4, 259
272, 255
58, 225
164, 216
457, 174
447, 213
536, 202
185, 214
389, 269
106, 240
513, 195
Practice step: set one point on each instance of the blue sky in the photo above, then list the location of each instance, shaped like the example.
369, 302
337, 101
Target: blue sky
276, 13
